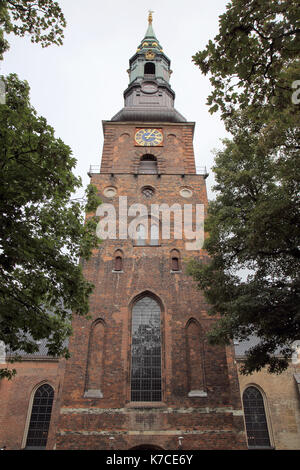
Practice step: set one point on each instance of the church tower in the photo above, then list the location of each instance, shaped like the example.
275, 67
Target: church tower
142, 374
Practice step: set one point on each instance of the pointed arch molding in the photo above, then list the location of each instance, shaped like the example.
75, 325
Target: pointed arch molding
146, 293
195, 359
95, 360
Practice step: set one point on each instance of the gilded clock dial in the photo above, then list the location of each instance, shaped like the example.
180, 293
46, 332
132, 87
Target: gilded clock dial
148, 137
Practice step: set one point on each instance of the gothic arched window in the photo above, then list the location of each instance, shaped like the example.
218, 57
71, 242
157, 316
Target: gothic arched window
175, 260
141, 232
154, 234
148, 233
146, 350
40, 417
118, 261
195, 359
175, 263
148, 165
95, 364
255, 418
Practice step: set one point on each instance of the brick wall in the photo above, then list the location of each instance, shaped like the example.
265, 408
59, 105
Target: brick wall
16, 396
213, 420
282, 405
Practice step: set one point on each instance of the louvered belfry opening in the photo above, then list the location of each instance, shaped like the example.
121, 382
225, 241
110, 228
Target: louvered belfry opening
146, 351
148, 165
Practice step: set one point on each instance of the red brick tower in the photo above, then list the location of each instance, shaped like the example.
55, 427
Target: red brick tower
142, 374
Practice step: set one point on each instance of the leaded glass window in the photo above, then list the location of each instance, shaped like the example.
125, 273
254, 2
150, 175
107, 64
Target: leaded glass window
146, 351
255, 417
40, 417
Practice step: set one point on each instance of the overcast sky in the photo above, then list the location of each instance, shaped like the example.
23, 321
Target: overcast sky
79, 84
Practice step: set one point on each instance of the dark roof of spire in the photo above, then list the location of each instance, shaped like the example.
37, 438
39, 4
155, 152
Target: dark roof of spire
159, 114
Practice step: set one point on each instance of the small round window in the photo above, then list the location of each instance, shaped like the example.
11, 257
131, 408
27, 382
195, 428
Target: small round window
148, 192
110, 192
185, 192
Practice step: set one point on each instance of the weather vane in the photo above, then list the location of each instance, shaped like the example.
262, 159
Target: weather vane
150, 16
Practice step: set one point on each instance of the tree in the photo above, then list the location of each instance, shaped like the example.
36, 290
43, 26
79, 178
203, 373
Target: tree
254, 221
257, 40
43, 20
42, 234
42, 230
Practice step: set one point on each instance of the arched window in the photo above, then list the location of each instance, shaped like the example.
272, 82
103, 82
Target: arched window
146, 350
147, 233
255, 418
175, 261
154, 234
95, 366
141, 235
148, 165
118, 261
149, 68
195, 360
40, 417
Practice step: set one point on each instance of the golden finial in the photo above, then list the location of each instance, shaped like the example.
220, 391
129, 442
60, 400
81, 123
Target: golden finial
150, 18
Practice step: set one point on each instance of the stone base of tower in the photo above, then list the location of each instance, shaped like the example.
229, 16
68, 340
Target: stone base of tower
126, 429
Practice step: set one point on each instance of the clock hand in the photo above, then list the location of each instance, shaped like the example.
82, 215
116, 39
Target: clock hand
151, 135
148, 136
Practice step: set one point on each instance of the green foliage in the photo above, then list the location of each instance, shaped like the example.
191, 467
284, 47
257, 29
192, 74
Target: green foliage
42, 230
257, 40
43, 20
252, 279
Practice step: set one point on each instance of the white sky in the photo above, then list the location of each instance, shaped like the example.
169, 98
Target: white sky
79, 84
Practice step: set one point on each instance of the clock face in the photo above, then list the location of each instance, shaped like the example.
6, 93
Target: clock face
148, 137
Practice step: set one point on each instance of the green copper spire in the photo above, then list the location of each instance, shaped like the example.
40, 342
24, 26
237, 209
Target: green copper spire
150, 41
150, 33
149, 96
